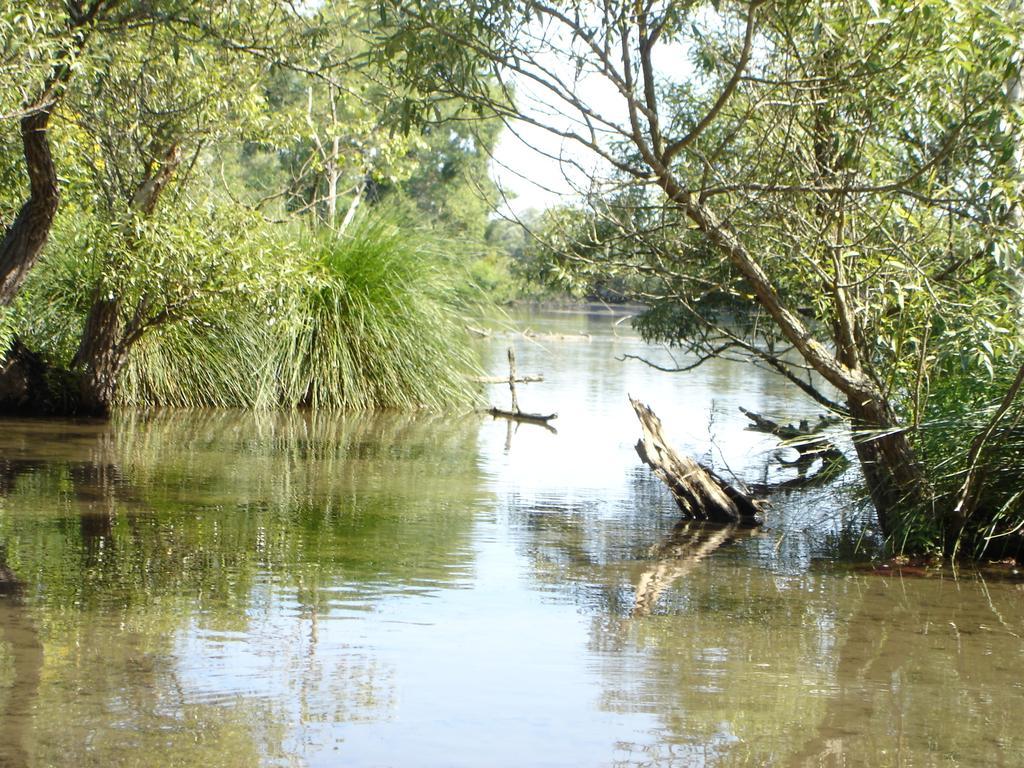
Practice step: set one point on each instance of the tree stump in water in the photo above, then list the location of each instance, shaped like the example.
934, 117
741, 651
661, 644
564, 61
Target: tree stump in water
699, 492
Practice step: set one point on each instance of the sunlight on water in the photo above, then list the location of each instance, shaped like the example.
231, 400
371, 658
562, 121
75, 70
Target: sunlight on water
225, 589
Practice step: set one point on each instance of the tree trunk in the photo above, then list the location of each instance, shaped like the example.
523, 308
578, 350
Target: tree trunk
333, 173
105, 343
25, 237
353, 206
894, 477
101, 356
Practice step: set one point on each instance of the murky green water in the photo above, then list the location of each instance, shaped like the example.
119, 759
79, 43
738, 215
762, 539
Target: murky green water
235, 590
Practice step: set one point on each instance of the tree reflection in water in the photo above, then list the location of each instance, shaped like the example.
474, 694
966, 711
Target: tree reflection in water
675, 557
21, 669
148, 547
779, 665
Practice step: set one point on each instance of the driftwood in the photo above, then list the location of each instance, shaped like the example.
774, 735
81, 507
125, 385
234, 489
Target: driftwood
528, 418
700, 493
533, 336
810, 443
528, 379
515, 414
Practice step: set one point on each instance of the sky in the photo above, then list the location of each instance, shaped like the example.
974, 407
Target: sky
527, 178
537, 180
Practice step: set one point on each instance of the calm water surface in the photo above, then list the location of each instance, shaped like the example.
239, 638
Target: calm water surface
222, 589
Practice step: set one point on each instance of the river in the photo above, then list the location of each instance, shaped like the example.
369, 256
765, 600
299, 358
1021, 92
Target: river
226, 589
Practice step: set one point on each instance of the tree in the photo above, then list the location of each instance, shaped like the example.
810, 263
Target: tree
348, 138
156, 252
149, 112
331, 134
158, 84
840, 170
57, 35
449, 181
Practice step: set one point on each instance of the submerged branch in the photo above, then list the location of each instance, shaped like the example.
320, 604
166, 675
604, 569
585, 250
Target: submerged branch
515, 414
811, 445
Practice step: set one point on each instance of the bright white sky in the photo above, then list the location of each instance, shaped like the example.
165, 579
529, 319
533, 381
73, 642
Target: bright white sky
533, 180
525, 164
527, 178
536, 179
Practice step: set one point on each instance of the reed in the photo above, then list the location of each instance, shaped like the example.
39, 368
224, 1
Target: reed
371, 320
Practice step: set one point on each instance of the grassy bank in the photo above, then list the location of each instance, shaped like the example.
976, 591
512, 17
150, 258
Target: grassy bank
369, 319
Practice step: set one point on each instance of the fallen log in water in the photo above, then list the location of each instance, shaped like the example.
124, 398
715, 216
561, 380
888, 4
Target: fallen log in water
699, 492
534, 336
519, 417
804, 437
530, 418
810, 443
528, 379
515, 414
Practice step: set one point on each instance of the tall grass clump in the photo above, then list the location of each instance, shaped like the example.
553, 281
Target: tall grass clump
370, 319
262, 317
216, 363
962, 408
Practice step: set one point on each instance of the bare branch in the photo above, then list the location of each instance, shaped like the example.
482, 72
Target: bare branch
723, 98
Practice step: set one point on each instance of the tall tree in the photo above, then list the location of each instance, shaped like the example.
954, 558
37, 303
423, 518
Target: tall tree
838, 168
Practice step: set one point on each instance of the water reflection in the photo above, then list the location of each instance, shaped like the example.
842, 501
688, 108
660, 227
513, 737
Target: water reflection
921, 670
180, 571
675, 557
227, 589
21, 662
864, 672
